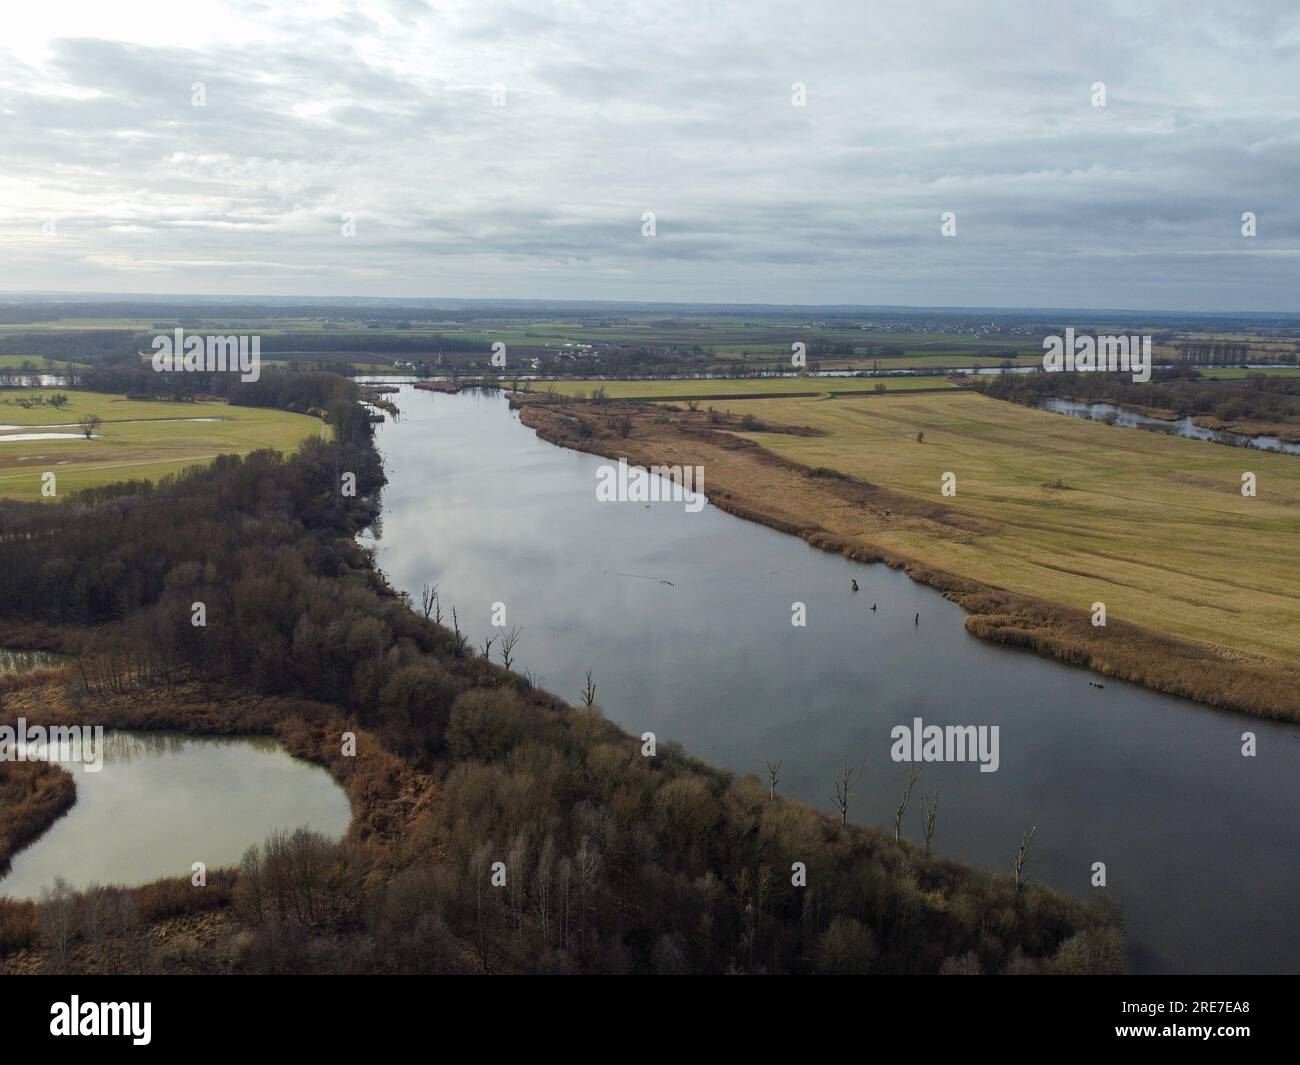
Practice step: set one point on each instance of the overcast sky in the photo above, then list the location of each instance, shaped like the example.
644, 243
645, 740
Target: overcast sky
385, 112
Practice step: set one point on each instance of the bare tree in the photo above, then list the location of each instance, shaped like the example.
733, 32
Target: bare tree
589, 691
543, 886
428, 599
487, 647
89, 424
478, 878
508, 642
461, 640
516, 885
773, 778
912, 778
929, 811
1022, 859
58, 923
843, 787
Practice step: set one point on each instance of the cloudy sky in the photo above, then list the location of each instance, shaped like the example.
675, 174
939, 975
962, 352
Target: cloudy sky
511, 150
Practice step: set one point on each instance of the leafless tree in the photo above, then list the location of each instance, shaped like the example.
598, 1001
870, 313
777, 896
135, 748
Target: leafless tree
516, 885
428, 600
843, 787
461, 640
1022, 859
929, 811
542, 887
589, 691
912, 778
508, 642
478, 877
89, 424
487, 647
58, 922
773, 778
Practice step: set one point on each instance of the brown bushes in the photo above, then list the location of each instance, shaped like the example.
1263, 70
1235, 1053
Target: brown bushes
32, 796
1164, 663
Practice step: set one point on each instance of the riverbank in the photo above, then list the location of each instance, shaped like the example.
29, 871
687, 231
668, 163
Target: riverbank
865, 521
33, 795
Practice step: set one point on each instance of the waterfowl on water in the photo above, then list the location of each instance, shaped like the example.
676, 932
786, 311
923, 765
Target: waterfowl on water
854, 582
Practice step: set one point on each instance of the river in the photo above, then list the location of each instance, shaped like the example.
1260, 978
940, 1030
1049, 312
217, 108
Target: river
685, 621
1127, 418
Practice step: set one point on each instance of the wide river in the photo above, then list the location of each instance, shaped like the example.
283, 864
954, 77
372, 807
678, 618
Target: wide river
684, 620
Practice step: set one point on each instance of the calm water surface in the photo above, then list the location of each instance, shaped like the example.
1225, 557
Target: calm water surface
684, 620
163, 801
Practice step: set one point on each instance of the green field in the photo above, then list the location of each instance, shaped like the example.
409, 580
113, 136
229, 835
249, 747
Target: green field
739, 388
137, 440
1155, 527
1236, 373
15, 362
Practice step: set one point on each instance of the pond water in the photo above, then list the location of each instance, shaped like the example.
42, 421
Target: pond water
10, 437
163, 801
685, 621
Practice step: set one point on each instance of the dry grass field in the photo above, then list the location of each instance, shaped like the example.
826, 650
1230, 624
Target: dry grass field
1155, 527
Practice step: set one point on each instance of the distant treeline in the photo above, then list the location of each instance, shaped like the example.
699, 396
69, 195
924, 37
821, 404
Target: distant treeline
616, 862
82, 344
99, 344
368, 342
1256, 397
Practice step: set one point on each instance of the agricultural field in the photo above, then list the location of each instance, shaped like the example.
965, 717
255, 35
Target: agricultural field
15, 362
741, 388
1236, 373
137, 439
1155, 527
